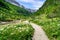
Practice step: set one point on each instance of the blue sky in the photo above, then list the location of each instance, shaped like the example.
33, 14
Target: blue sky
32, 4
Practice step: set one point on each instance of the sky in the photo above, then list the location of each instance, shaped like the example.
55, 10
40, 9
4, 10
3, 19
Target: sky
31, 4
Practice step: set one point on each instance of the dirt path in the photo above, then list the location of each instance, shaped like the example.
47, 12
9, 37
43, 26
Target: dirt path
39, 33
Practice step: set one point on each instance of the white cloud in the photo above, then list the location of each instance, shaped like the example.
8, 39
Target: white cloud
27, 1
36, 3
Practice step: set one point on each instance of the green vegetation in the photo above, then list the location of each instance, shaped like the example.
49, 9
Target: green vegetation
19, 31
50, 26
11, 12
48, 16
50, 8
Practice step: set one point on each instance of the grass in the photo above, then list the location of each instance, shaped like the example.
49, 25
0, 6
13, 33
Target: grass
50, 26
48, 16
9, 12
19, 31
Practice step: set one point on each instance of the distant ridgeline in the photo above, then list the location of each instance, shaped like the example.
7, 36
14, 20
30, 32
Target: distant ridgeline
8, 11
51, 8
13, 2
12, 12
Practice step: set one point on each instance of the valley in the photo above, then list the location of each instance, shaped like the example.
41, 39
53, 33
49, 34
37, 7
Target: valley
44, 22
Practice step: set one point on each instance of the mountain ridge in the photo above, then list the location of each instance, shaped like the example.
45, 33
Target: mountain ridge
49, 8
9, 11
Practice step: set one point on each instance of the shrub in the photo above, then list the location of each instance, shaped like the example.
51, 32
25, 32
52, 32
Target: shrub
16, 32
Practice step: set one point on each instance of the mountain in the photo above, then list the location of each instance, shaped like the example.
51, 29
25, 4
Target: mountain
9, 11
13, 2
48, 16
51, 8
31, 10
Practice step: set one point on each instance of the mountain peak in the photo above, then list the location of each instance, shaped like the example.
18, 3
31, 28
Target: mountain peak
13, 2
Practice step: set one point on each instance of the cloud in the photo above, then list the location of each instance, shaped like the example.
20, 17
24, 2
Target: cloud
36, 4
27, 1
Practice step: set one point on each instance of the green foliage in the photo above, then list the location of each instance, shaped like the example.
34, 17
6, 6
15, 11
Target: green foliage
51, 27
16, 32
12, 12
48, 16
50, 8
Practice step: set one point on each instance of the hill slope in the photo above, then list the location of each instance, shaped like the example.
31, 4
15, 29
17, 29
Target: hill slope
48, 16
11, 12
51, 8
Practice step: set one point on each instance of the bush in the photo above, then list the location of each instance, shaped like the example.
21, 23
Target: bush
16, 32
51, 27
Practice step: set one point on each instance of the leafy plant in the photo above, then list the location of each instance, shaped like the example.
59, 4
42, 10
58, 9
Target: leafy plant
16, 32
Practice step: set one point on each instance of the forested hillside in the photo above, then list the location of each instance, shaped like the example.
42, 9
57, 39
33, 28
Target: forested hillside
11, 12
48, 16
51, 8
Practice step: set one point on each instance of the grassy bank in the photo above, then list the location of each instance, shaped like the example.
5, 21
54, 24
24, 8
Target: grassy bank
19, 31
